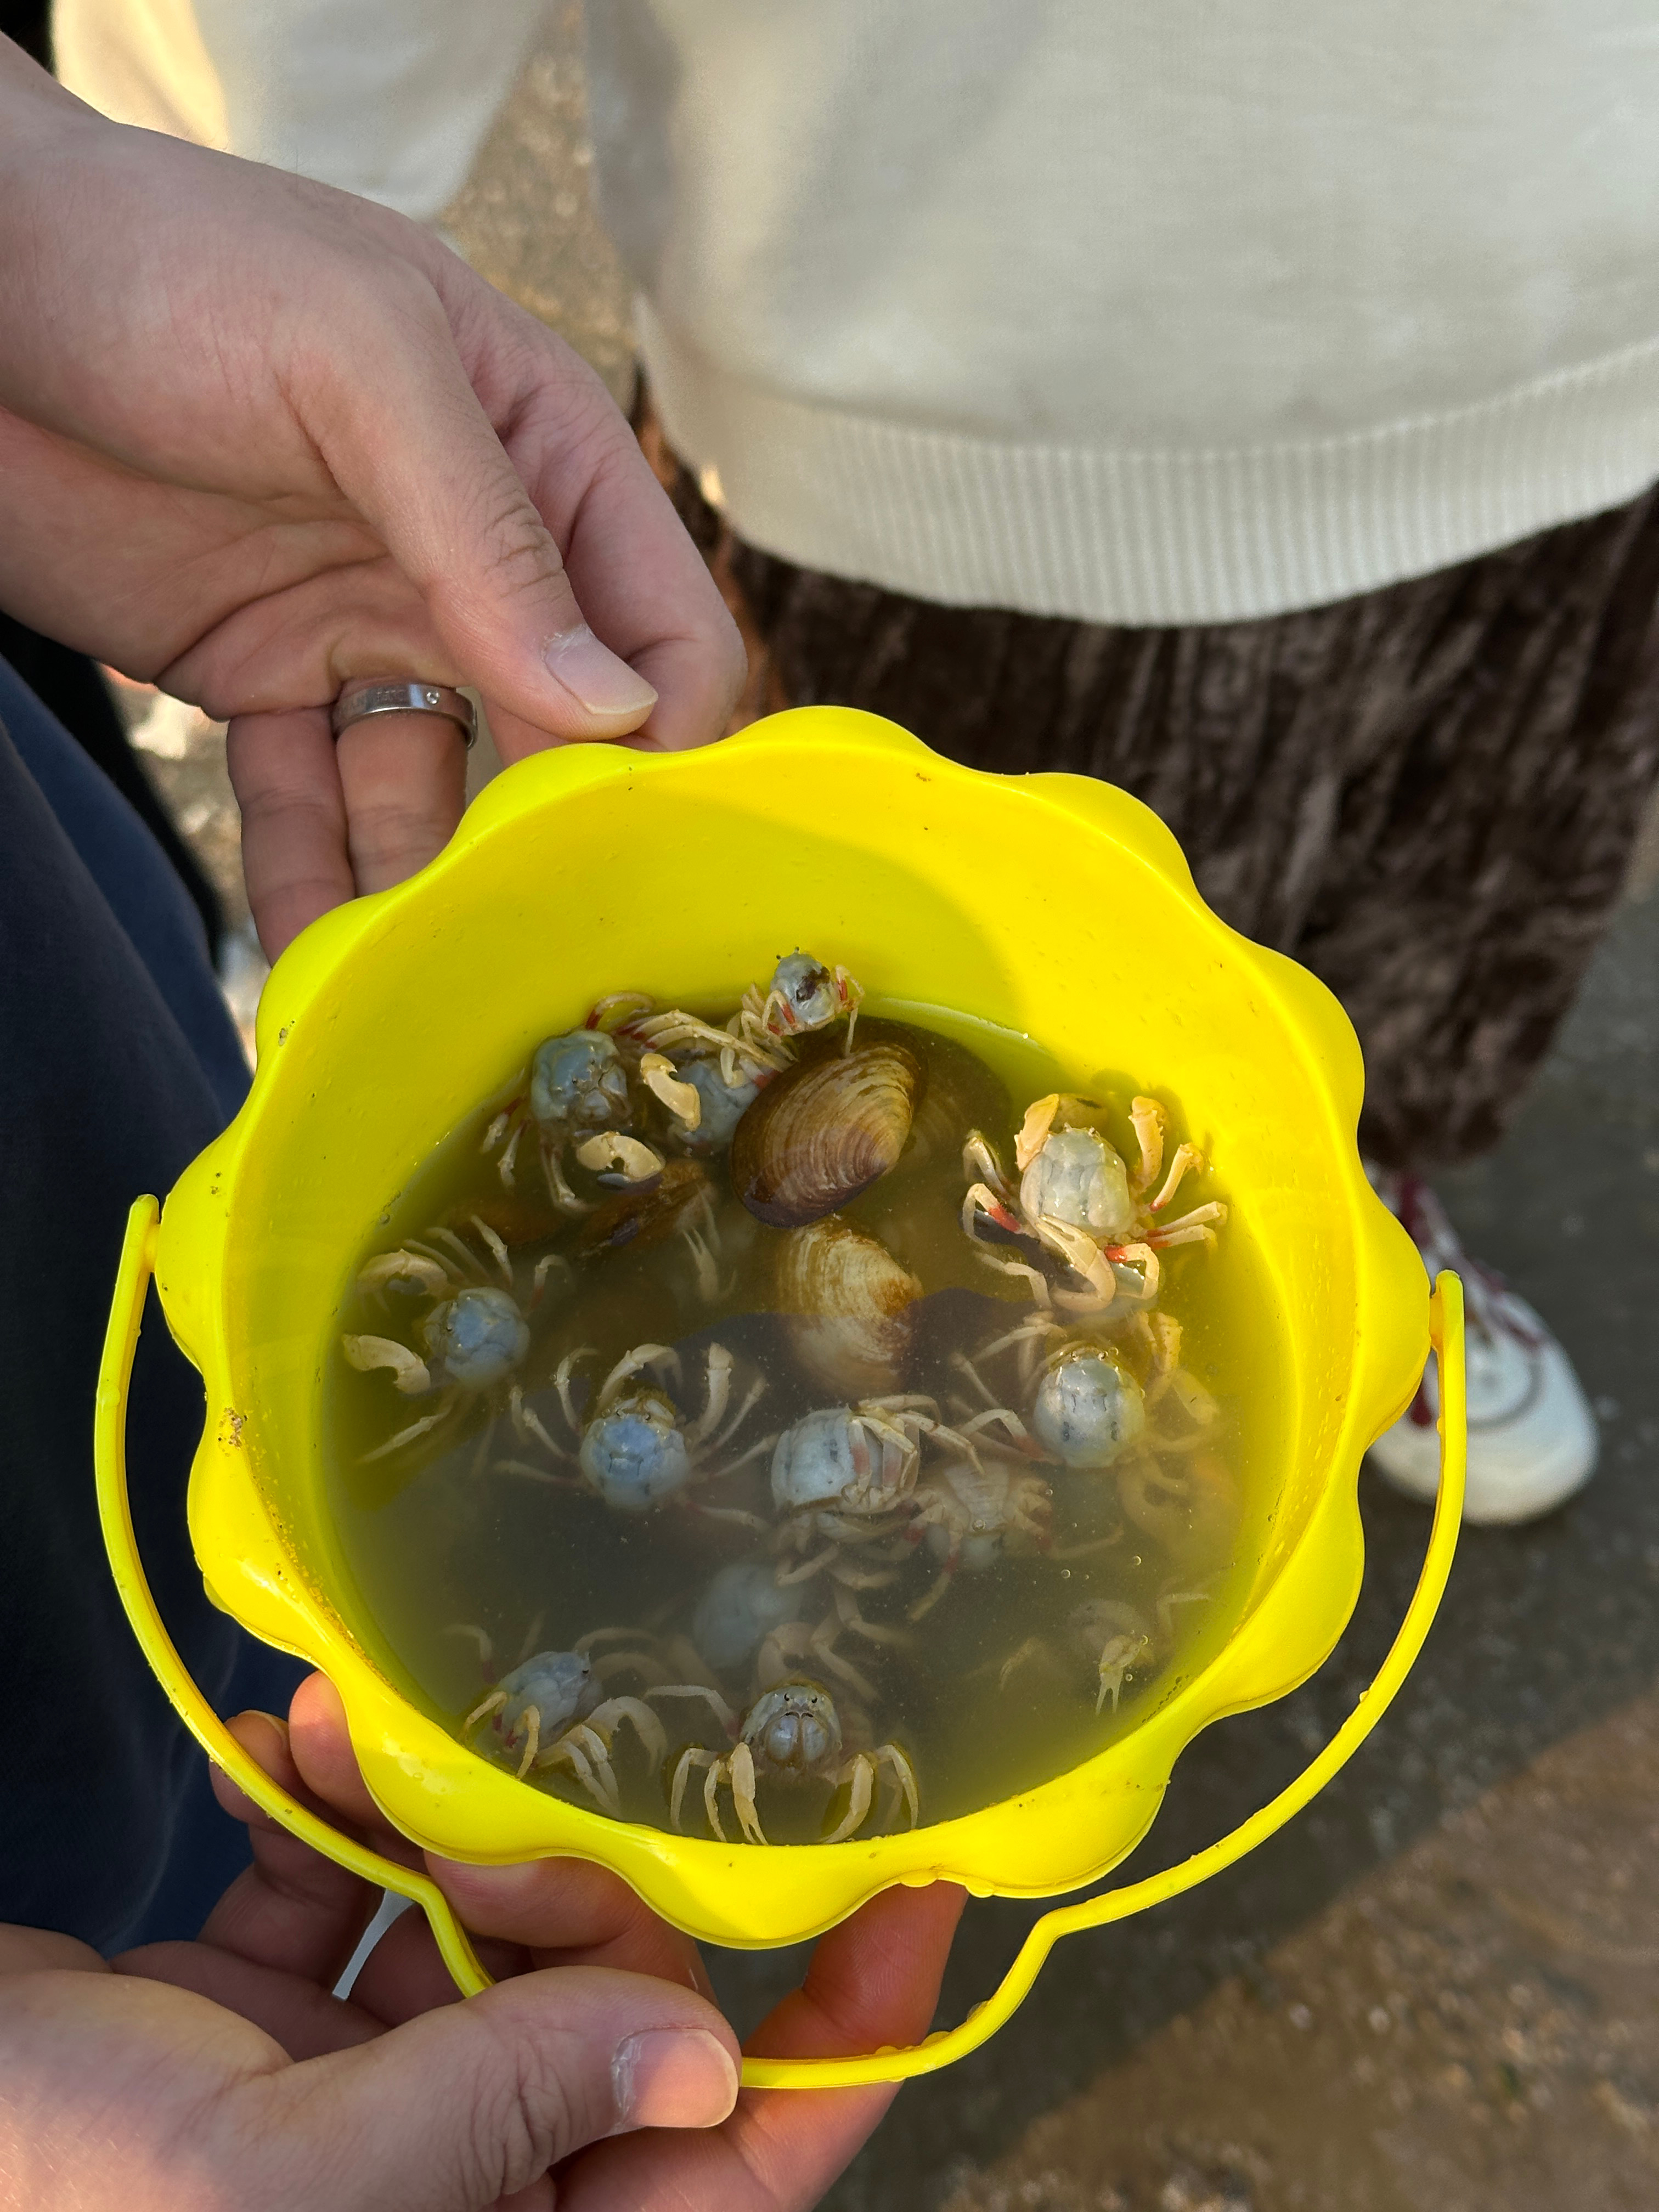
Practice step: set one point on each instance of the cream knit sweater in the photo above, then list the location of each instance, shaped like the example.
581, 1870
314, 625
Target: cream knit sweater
1147, 311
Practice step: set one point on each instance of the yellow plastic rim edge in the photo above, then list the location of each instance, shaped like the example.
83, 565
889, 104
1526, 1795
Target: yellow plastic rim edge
115, 1515
940, 2050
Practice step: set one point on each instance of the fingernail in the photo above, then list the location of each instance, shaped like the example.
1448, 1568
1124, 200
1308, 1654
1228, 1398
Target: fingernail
593, 674
673, 2077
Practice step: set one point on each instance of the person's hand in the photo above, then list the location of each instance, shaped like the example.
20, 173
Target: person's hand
873, 1981
222, 2075
258, 438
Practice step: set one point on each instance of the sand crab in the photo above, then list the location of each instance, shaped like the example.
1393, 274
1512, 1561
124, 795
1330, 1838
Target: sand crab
742, 1606
474, 1335
792, 1734
842, 1476
803, 996
579, 1089
704, 1077
1188, 1504
633, 1446
553, 1707
1077, 1201
746, 1614
1088, 1408
1114, 1639
970, 1511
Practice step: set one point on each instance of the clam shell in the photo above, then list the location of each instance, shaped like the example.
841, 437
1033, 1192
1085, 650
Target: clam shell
823, 1131
849, 1308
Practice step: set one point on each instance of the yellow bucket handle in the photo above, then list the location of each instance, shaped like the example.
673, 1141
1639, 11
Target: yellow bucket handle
1446, 1330
115, 1513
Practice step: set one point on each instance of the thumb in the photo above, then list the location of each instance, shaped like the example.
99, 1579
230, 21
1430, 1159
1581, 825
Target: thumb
417, 454
471, 2103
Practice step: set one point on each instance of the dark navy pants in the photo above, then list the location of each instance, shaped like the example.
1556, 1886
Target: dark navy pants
118, 1063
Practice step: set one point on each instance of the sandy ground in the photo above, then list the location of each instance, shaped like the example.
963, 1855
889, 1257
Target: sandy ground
1439, 1987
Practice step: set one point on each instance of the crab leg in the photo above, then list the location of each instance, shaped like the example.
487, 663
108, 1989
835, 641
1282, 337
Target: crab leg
721, 1710
486, 1647
859, 1772
720, 1391
532, 1717
683, 1100
561, 1375
605, 1719
980, 1163
965, 1367
980, 1198
1034, 1276
1147, 1118
930, 1596
692, 1758
888, 1754
851, 995
407, 1436
740, 1770
820, 1646
583, 1771
1008, 1420
1034, 1129
1080, 1250
492, 1704
1170, 1598
1171, 1233
1165, 1332
1126, 1255
564, 1198
610, 1150
1189, 1160
843, 1573
404, 1267
1033, 1647
590, 1753
504, 1165
617, 1008
538, 1428
805, 1572
416, 1244
1195, 1401
757, 1392
1119, 1654
468, 1260
410, 1375
643, 1355
498, 1248
706, 1267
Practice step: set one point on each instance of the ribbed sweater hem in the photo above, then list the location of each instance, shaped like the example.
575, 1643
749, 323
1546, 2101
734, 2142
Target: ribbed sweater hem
1118, 534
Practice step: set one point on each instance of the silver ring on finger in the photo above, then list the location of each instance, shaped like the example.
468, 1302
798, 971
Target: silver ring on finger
398, 694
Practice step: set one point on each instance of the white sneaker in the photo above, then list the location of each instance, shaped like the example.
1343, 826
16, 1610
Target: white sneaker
1532, 1439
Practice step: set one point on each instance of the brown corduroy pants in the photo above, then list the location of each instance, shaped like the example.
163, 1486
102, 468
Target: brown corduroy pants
1428, 794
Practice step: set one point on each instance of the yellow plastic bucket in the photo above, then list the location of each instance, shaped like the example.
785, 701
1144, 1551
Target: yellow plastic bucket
1051, 905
